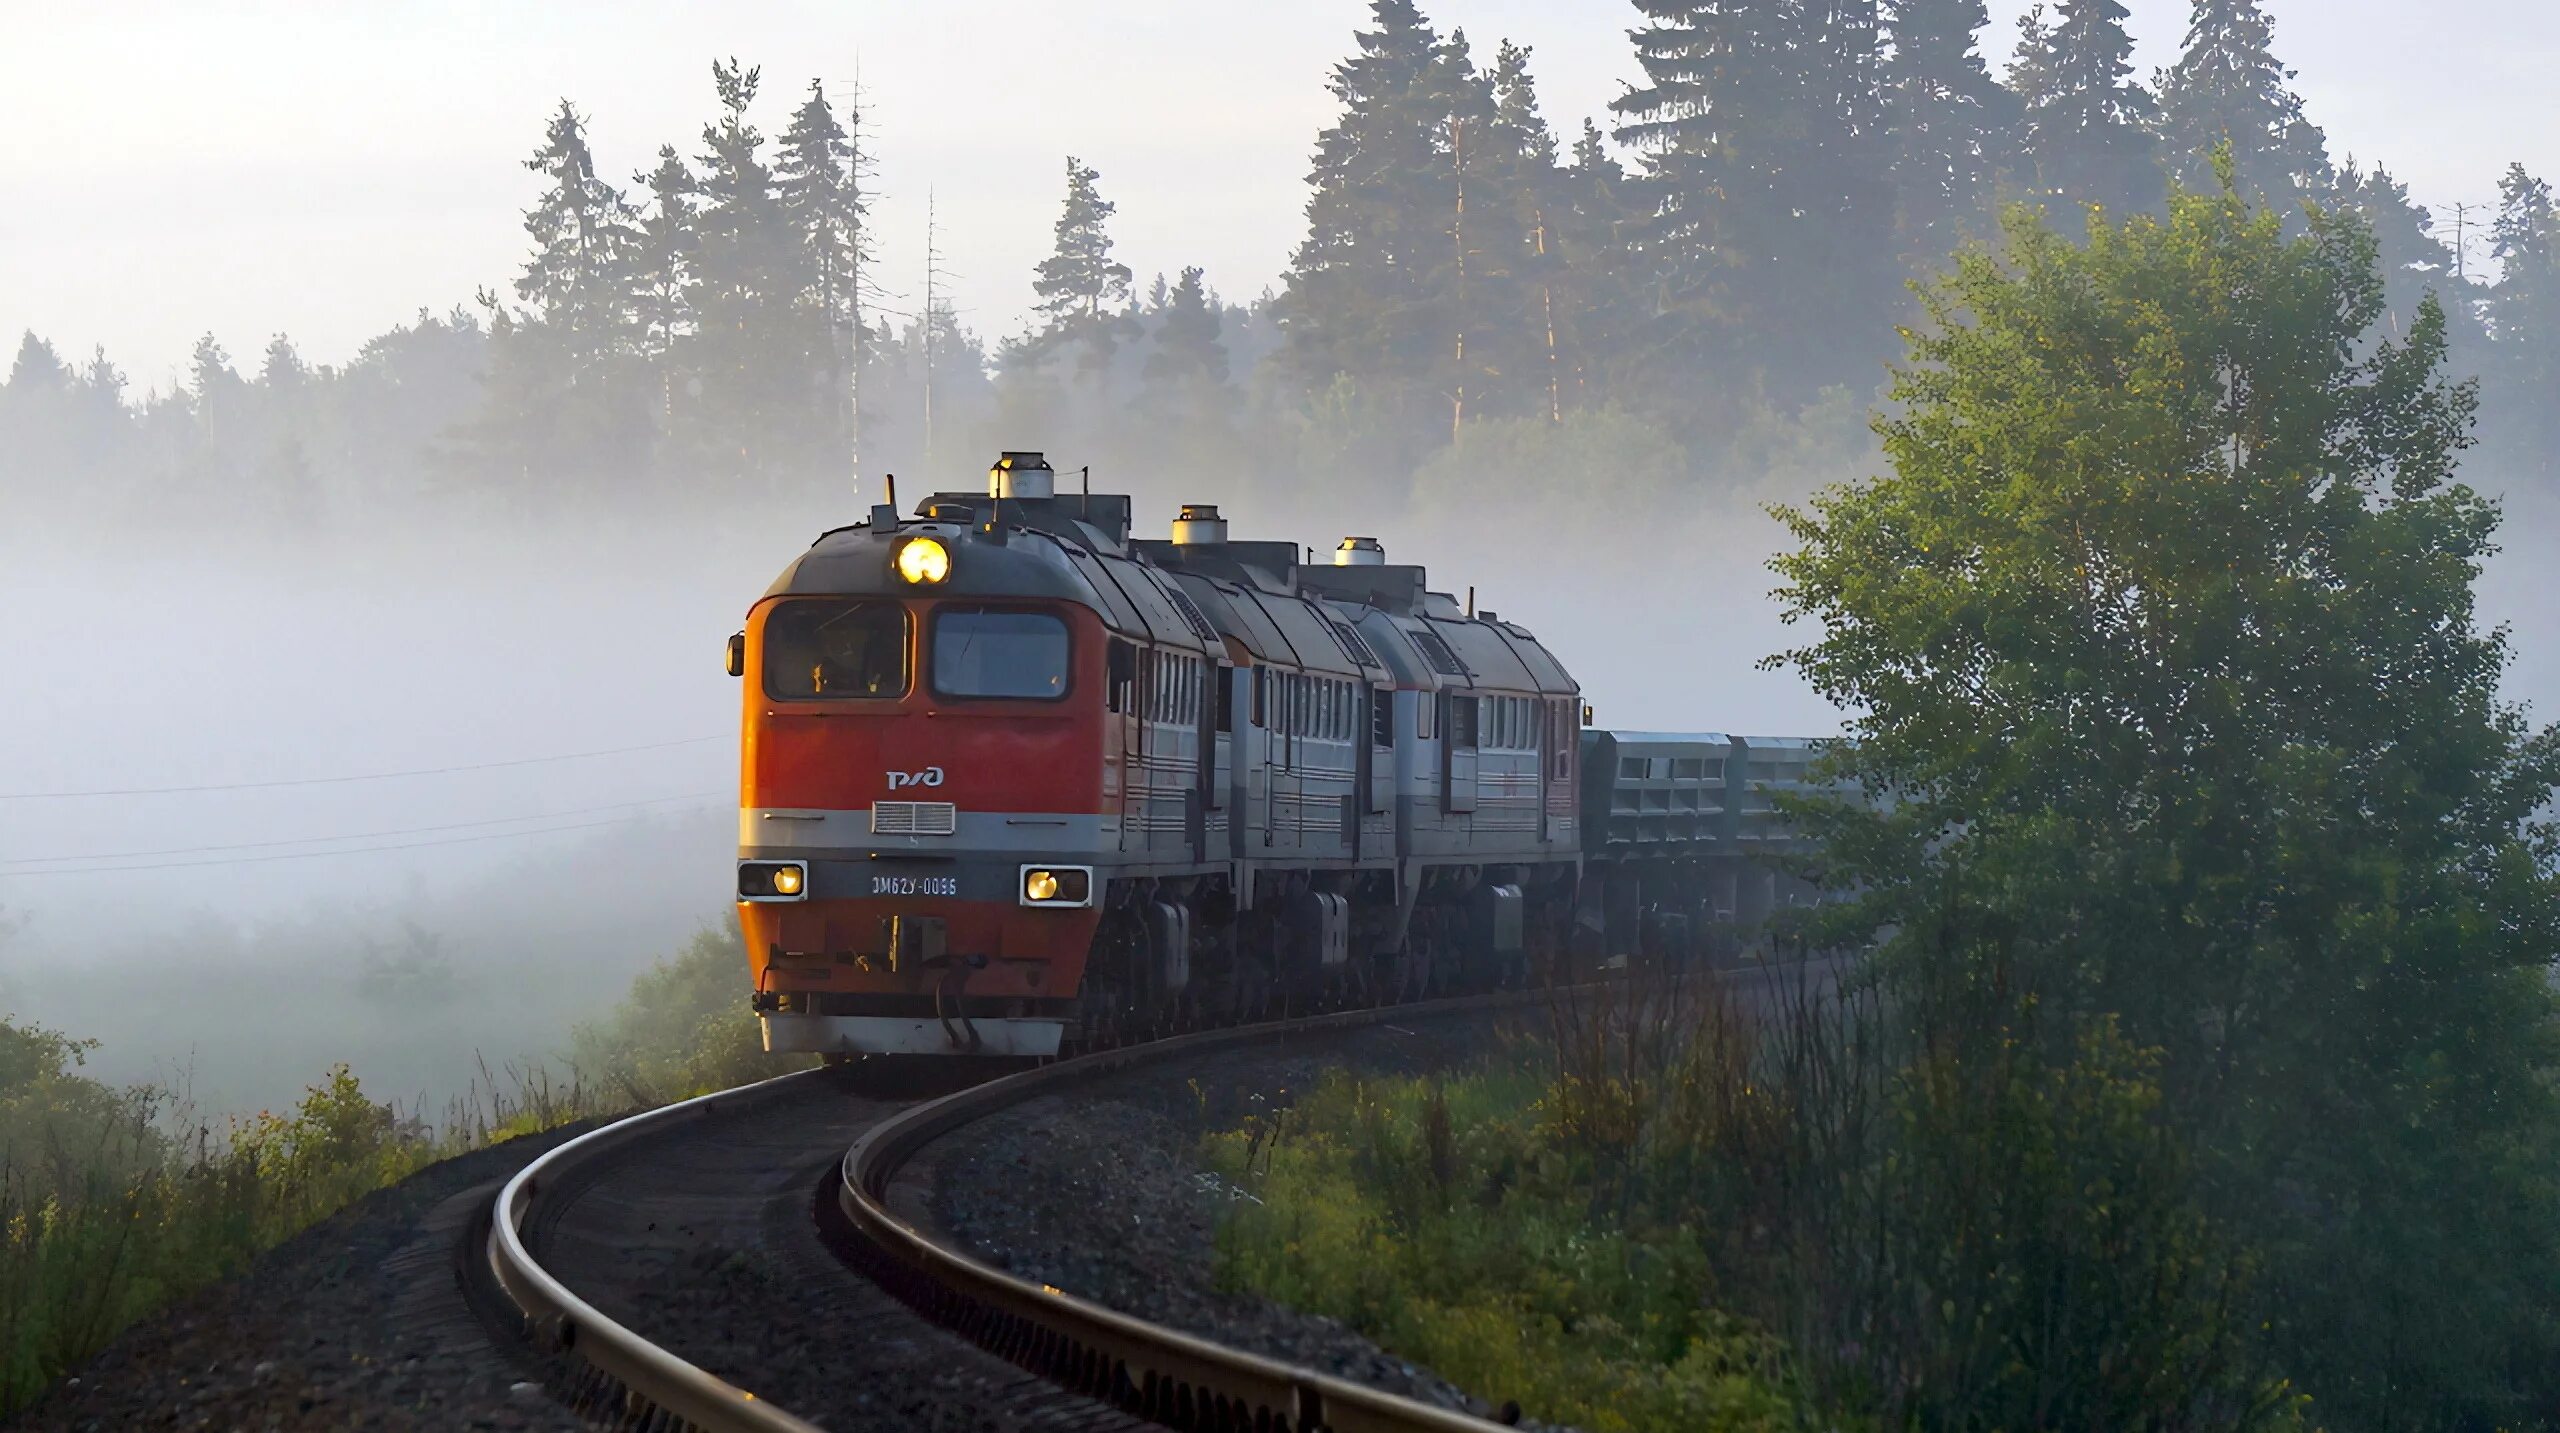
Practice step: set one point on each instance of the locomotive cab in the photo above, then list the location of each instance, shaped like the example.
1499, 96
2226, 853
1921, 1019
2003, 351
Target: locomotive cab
921, 789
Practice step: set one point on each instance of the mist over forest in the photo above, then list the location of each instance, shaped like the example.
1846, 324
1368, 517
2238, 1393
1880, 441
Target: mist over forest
1564, 360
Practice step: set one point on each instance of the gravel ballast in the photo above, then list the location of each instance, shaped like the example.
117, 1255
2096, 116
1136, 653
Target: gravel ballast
1099, 1190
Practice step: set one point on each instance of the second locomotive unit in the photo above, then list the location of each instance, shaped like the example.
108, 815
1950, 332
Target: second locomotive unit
1014, 778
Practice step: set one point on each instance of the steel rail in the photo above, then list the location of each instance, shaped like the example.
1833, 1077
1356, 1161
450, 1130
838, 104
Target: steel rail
1143, 1368
656, 1385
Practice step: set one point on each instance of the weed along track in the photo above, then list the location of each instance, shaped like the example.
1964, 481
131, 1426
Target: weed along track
715, 1263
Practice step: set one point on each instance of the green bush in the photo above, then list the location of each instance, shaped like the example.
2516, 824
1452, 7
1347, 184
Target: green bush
1674, 1218
683, 1030
1440, 1219
91, 1242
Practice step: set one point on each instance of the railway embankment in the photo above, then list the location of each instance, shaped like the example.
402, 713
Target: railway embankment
1101, 1189
357, 1322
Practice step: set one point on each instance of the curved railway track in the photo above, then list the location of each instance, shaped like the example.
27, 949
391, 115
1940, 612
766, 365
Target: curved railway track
590, 1246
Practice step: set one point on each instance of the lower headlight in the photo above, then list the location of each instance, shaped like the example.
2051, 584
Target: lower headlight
1057, 885
773, 880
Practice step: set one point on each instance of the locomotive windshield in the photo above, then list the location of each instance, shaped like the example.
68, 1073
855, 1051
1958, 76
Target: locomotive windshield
983, 653
818, 650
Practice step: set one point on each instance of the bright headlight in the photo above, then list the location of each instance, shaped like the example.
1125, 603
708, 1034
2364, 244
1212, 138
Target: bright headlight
1057, 886
924, 559
773, 880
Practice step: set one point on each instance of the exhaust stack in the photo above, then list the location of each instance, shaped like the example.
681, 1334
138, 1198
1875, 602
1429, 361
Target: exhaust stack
1199, 525
1022, 475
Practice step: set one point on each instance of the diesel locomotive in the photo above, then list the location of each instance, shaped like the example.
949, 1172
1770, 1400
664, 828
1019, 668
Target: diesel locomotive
1014, 779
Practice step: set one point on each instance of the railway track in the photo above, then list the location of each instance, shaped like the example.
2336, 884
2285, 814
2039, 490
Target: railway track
598, 1248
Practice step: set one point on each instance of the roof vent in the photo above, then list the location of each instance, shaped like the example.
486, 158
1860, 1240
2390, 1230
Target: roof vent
1022, 475
1199, 524
1487, 616
1360, 552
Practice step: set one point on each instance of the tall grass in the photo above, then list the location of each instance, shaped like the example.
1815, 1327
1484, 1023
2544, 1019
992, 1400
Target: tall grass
1837, 1207
114, 1202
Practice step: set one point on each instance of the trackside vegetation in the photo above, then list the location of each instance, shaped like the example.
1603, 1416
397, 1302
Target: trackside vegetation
116, 1201
2202, 1075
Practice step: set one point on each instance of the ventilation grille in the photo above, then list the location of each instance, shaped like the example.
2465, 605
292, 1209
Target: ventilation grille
1191, 613
914, 818
1437, 653
1353, 646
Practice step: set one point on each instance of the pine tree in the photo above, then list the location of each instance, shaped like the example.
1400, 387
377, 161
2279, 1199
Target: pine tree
578, 279
212, 383
2229, 88
1476, 281
2084, 128
818, 171
2525, 240
1945, 115
1539, 323
1522, 129
282, 370
663, 254
1080, 277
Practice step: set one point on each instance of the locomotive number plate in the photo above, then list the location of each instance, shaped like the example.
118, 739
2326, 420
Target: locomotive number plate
915, 885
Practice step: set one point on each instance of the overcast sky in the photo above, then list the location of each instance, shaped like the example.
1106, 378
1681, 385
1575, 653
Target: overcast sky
325, 170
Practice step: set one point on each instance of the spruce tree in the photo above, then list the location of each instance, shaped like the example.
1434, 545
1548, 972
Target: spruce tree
1845, 275
1186, 338
578, 279
2413, 262
818, 173
1358, 314
2524, 364
663, 252
38, 368
1944, 112
1080, 278
2229, 88
2085, 127
1731, 124
1184, 402
754, 340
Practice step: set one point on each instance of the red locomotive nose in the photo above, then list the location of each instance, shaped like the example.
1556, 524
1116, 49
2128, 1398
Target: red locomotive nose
916, 754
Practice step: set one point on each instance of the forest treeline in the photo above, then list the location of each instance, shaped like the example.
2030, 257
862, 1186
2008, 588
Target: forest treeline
1728, 249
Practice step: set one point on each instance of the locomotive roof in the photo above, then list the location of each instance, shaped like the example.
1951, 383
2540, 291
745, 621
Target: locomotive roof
1258, 602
